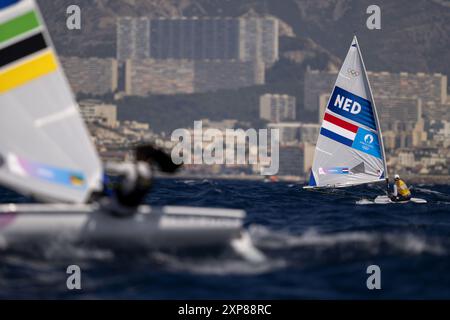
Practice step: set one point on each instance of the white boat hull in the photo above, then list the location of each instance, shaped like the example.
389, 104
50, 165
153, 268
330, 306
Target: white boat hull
151, 227
386, 200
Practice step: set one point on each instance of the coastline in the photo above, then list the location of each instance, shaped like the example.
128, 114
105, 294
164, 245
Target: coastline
409, 179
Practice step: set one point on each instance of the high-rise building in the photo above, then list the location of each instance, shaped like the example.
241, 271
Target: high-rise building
309, 132
277, 108
419, 135
213, 53
91, 75
142, 45
244, 39
174, 76
389, 140
316, 84
269, 40
430, 88
227, 74
151, 76
194, 38
446, 108
291, 161
289, 132
133, 36
258, 39
398, 111
296, 132
99, 112
125, 39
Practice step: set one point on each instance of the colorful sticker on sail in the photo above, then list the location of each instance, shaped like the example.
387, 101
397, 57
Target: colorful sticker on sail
334, 170
6, 218
66, 177
367, 142
24, 52
353, 107
350, 135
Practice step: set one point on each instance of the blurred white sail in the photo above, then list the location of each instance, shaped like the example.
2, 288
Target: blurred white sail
45, 149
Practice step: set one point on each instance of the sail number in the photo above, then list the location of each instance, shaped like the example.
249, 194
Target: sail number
347, 104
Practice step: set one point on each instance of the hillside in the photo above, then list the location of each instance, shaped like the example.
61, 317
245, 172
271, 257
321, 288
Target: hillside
415, 37
415, 34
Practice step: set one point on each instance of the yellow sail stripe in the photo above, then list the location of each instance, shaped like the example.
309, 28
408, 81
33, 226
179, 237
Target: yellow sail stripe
23, 73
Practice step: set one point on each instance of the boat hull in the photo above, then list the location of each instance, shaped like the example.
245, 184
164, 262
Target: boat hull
151, 227
387, 200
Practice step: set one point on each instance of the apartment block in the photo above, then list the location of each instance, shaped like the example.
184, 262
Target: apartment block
277, 108
151, 76
174, 76
94, 111
209, 38
91, 75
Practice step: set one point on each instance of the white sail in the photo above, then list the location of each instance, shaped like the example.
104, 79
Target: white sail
349, 150
45, 149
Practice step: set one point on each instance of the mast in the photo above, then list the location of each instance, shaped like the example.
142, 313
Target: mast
376, 114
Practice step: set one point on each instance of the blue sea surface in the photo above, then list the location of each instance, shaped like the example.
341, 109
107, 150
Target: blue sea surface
317, 246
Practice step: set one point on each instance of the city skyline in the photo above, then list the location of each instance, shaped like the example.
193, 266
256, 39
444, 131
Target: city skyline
182, 56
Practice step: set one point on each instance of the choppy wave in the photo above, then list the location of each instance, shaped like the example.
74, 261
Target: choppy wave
311, 241
364, 202
373, 242
224, 265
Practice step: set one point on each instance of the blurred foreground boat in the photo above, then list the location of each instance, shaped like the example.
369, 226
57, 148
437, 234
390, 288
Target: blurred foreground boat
46, 153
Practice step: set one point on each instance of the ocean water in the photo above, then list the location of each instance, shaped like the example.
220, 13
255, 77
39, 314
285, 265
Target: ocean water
317, 246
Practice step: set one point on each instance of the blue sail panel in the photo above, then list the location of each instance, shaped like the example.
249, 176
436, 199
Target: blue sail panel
312, 181
353, 107
7, 3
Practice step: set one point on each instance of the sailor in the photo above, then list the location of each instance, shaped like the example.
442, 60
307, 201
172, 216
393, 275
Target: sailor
133, 183
134, 180
401, 190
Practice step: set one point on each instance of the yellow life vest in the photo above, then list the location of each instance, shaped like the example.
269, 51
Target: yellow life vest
402, 188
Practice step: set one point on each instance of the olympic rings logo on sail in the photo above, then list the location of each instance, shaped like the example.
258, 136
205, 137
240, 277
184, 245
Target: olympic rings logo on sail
353, 73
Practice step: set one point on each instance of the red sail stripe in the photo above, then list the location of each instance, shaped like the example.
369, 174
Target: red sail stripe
341, 123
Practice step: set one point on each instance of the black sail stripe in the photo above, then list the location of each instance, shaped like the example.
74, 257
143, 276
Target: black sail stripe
22, 49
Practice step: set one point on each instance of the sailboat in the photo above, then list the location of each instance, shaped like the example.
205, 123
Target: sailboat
46, 153
349, 149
